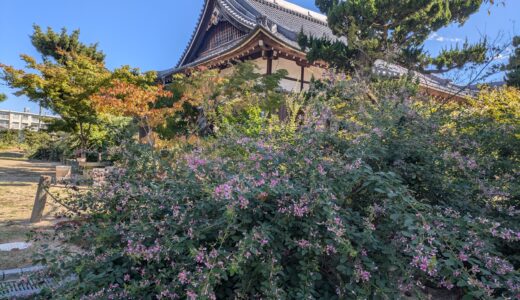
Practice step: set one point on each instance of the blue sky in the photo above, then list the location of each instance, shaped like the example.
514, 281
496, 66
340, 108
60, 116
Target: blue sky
152, 34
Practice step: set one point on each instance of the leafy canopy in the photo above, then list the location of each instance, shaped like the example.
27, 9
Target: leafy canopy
70, 73
394, 31
131, 93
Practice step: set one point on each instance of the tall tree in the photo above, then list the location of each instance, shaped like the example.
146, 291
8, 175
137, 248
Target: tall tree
513, 67
70, 72
393, 30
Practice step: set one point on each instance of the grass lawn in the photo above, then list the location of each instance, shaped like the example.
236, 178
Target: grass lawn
18, 183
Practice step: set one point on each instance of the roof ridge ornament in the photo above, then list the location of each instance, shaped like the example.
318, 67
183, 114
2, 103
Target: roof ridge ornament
216, 17
265, 22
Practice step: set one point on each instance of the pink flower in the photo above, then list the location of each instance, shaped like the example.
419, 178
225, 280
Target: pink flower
200, 257
244, 203
321, 170
377, 131
463, 256
183, 277
446, 284
191, 295
304, 244
224, 191
362, 274
330, 250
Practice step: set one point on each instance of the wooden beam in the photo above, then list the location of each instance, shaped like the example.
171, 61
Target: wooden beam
269, 65
302, 78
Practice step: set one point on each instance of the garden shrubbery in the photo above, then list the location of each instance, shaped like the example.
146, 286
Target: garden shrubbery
364, 190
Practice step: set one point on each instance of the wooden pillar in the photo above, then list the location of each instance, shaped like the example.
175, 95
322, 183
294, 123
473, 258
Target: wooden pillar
302, 78
41, 199
269, 65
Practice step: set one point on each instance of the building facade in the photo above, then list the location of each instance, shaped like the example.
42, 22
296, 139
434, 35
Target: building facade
22, 120
265, 32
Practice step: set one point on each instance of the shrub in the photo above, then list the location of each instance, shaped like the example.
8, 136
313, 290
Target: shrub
8, 138
377, 193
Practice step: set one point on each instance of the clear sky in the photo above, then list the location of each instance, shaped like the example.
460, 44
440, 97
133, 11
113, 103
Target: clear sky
152, 34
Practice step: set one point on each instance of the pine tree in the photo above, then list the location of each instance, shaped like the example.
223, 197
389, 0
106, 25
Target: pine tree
513, 67
393, 30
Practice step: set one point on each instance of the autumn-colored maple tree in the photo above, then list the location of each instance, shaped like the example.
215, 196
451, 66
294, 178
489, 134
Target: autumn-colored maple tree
133, 94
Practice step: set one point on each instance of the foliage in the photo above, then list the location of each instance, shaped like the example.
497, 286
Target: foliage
8, 138
209, 103
3, 97
367, 197
69, 74
394, 31
135, 95
37, 145
513, 67
53, 45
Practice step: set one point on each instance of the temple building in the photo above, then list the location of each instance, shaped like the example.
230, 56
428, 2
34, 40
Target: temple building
266, 32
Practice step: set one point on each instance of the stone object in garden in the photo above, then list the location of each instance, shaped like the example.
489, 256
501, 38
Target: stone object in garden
63, 173
14, 246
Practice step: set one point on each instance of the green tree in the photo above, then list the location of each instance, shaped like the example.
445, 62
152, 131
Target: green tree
394, 31
64, 81
3, 97
53, 45
513, 67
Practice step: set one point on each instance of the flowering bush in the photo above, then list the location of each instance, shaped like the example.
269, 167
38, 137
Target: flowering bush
368, 198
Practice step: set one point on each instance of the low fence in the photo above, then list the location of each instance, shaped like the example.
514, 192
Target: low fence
92, 174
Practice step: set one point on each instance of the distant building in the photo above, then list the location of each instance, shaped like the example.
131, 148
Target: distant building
22, 120
265, 32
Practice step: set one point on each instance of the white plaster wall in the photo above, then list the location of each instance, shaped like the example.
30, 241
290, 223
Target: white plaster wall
289, 65
261, 64
313, 71
290, 85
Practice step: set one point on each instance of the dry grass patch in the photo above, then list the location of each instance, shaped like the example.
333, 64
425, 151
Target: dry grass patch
18, 183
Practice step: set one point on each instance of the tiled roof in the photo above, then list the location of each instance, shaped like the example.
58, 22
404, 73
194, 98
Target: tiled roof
425, 80
286, 21
294, 19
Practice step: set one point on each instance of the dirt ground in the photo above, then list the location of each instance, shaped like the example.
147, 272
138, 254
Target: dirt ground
18, 183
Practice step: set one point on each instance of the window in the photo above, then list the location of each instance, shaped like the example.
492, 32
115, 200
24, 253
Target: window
219, 35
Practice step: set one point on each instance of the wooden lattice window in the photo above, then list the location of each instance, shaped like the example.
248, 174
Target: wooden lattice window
219, 35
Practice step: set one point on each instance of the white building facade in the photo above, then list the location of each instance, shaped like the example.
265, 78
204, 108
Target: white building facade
22, 120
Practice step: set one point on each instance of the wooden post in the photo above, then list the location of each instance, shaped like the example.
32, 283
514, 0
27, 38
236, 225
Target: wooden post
41, 199
302, 78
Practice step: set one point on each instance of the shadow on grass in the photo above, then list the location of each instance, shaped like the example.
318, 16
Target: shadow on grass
14, 184
11, 155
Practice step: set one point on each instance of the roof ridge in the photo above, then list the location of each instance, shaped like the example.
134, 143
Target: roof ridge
197, 25
296, 10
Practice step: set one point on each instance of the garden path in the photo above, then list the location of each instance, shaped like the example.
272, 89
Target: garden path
18, 183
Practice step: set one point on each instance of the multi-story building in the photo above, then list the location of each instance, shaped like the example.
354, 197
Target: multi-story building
22, 120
